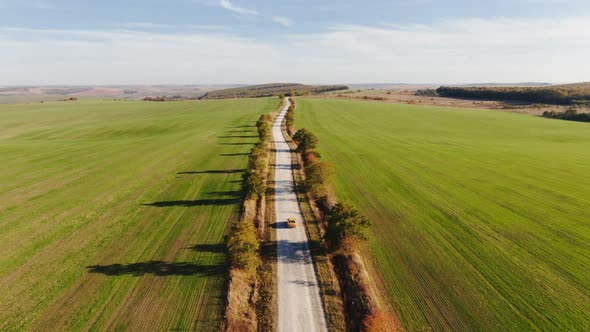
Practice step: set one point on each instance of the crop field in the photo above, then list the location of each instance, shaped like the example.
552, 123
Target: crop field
482, 218
112, 214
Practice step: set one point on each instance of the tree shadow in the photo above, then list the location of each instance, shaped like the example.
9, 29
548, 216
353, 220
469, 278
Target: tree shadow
244, 126
234, 154
208, 247
239, 136
157, 268
268, 250
237, 143
304, 283
293, 252
198, 202
214, 171
240, 131
233, 193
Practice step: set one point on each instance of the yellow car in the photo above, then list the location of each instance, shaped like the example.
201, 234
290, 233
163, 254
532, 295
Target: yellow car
292, 222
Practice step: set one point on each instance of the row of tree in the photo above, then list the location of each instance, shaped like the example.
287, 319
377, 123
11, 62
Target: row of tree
256, 172
542, 95
242, 242
290, 118
346, 224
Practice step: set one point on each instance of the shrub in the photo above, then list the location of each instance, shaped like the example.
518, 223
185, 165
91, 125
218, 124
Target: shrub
305, 139
346, 223
243, 246
570, 114
264, 125
317, 178
379, 322
290, 118
309, 157
427, 93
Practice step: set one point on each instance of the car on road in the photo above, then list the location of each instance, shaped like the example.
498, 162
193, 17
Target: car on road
292, 222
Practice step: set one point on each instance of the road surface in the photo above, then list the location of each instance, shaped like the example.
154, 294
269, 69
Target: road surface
300, 306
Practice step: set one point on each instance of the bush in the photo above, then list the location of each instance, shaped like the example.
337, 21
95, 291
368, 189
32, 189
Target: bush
570, 114
305, 139
379, 322
317, 178
346, 223
264, 125
254, 184
309, 157
242, 246
427, 93
290, 118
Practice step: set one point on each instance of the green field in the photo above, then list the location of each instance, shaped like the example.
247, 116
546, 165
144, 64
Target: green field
112, 214
482, 218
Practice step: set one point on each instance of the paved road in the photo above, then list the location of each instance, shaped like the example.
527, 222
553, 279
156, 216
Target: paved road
300, 306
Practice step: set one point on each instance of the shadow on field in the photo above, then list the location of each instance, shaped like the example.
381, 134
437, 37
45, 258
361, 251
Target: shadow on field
233, 193
214, 171
234, 154
241, 131
209, 247
244, 126
157, 268
237, 143
239, 136
198, 202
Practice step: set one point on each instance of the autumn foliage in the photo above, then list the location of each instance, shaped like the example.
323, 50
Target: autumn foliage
379, 321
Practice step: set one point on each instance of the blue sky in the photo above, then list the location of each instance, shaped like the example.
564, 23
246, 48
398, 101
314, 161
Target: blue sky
235, 41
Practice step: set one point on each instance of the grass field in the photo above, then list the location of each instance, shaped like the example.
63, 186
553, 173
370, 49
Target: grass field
482, 218
112, 214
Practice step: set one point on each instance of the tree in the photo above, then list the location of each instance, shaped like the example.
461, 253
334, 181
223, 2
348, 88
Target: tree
305, 139
345, 223
317, 177
243, 246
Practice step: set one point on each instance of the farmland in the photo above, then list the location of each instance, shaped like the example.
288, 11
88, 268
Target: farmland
482, 218
112, 214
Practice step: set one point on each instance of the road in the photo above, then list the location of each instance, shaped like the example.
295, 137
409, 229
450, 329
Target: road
300, 305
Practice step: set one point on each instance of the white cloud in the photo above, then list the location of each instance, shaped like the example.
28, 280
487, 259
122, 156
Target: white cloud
282, 20
467, 50
156, 26
239, 10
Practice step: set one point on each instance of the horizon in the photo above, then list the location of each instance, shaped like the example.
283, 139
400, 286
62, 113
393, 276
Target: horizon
64, 42
265, 83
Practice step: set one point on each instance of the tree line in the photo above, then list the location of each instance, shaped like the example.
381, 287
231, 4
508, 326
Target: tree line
570, 114
345, 223
542, 95
242, 243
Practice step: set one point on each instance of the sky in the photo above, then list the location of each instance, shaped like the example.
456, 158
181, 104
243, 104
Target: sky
82, 42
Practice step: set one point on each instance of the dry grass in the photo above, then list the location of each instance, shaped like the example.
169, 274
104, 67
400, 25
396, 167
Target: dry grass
240, 314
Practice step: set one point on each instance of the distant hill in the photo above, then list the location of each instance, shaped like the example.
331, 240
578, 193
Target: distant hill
274, 89
12, 94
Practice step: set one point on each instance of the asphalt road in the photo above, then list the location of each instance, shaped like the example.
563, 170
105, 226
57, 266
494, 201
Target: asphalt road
300, 306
